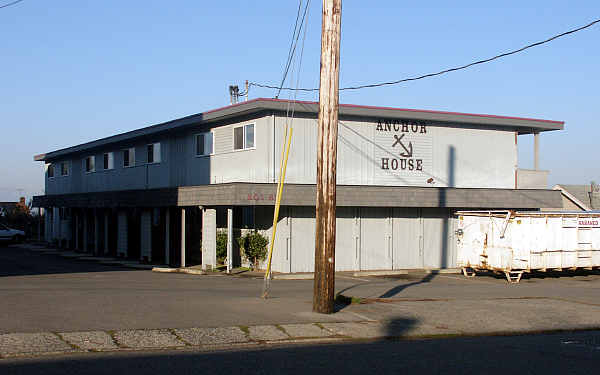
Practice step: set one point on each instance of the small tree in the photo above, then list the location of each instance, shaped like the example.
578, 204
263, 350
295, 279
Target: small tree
221, 246
254, 246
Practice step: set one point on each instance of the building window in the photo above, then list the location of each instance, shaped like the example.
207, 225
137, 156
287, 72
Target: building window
129, 157
50, 170
243, 137
108, 160
204, 144
64, 168
90, 164
153, 153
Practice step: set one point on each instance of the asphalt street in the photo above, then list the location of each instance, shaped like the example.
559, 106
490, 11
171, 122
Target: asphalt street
45, 292
57, 299
564, 353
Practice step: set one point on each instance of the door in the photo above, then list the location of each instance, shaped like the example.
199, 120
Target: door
302, 244
408, 237
346, 239
376, 239
438, 247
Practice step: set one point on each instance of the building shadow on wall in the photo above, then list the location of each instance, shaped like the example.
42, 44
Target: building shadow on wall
445, 213
443, 204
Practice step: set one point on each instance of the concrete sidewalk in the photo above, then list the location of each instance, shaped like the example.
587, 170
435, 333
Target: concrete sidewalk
227, 338
44, 343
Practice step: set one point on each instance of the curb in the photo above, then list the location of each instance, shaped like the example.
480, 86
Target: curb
333, 338
190, 271
408, 272
294, 276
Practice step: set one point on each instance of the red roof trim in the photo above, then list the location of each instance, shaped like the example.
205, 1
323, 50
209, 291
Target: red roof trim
238, 104
397, 109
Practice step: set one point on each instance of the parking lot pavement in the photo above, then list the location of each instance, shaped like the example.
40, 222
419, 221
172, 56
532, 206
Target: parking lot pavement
91, 306
44, 292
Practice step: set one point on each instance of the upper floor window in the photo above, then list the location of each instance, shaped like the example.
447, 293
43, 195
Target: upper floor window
90, 164
129, 157
64, 168
243, 137
153, 153
108, 160
204, 144
50, 170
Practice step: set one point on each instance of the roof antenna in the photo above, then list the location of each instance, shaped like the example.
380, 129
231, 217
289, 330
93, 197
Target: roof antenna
234, 94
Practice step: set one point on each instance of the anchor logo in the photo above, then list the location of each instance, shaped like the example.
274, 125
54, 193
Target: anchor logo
408, 152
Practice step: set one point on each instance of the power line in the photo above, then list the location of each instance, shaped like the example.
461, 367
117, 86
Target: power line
358, 87
294, 43
9, 4
300, 61
289, 56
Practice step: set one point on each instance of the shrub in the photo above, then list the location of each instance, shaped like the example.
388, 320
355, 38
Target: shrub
254, 246
221, 246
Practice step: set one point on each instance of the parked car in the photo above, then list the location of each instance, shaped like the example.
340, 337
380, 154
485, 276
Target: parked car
9, 234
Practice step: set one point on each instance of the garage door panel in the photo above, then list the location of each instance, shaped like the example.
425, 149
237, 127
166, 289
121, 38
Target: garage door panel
375, 243
407, 233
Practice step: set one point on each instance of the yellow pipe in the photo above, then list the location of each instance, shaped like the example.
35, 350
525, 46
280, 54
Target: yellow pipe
277, 204
276, 212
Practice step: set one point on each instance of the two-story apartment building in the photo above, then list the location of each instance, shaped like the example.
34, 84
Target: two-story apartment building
160, 193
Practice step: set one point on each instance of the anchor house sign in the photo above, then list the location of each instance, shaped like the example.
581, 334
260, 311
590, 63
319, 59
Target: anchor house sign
403, 151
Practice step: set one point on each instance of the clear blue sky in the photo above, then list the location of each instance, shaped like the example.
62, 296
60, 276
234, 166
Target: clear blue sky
76, 70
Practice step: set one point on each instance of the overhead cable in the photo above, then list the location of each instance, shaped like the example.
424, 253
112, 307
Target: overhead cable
293, 44
358, 87
9, 4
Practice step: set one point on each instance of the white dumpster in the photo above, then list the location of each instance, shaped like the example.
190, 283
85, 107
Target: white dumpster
517, 242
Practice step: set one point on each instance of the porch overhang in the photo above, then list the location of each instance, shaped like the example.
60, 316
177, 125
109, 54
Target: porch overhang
263, 194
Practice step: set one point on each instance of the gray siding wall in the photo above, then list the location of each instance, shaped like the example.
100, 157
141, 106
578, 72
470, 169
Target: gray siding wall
140, 175
179, 165
532, 179
366, 238
449, 156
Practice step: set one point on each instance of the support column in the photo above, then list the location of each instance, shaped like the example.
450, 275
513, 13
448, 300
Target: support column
51, 234
59, 227
122, 234
55, 223
536, 151
167, 235
106, 232
39, 224
77, 248
85, 231
209, 238
96, 233
229, 239
146, 236
182, 237
69, 228
47, 224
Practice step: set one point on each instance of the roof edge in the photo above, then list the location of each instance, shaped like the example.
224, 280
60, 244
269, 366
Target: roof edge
572, 198
261, 104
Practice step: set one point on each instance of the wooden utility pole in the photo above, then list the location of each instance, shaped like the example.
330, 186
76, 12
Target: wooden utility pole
324, 281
